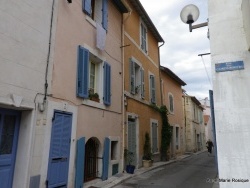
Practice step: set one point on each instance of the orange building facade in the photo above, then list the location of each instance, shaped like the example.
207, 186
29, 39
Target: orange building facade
141, 82
172, 98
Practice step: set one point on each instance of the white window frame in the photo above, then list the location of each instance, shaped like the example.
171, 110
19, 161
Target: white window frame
157, 134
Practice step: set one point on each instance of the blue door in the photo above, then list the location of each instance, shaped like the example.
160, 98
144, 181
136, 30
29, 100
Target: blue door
59, 150
9, 127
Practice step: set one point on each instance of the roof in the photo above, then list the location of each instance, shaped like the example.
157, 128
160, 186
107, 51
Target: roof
121, 6
172, 75
196, 101
146, 19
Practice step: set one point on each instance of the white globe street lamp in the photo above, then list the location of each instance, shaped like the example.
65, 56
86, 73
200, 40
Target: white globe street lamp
189, 14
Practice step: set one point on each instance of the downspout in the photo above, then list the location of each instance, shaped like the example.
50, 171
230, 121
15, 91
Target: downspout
160, 71
123, 85
48, 56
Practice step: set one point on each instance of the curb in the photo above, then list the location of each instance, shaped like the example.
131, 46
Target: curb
142, 171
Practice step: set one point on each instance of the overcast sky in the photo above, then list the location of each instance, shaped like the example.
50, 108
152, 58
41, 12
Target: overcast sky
181, 48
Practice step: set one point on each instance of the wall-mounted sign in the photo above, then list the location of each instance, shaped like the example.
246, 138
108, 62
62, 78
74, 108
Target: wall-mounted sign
229, 66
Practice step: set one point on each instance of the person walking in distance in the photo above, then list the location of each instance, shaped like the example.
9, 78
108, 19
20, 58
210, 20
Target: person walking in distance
209, 146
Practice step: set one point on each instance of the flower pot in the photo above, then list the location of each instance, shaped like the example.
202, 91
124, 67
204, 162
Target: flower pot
147, 163
130, 169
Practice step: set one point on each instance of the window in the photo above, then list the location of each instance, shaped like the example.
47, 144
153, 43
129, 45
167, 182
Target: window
152, 89
171, 102
114, 150
89, 76
143, 37
97, 10
92, 77
136, 79
154, 136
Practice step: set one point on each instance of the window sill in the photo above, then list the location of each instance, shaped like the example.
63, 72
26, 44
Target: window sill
94, 104
91, 21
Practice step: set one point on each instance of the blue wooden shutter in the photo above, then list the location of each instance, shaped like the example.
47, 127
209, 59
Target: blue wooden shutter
105, 14
152, 88
105, 166
142, 84
107, 84
82, 72
86, 6
80, 163
132, 76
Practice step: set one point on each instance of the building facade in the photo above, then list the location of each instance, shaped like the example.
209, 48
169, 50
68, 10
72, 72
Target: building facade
141, 82
172, 98
24, 64
88, 84
194, 124
230, 44
209, 130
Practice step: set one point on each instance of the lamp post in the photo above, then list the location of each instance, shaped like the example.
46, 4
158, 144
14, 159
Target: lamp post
189, 14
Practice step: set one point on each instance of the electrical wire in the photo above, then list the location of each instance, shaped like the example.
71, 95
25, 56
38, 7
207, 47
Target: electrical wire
206, 71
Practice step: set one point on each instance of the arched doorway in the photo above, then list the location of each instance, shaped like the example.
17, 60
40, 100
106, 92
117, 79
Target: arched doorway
91, 159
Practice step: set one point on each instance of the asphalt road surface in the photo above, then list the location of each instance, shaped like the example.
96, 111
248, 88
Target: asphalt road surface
197, 171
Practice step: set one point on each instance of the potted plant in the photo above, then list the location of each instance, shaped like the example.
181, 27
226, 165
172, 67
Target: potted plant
147, 160
129, 156
93, 96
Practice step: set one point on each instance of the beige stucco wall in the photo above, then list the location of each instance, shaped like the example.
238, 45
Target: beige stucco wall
193, 127
93, 119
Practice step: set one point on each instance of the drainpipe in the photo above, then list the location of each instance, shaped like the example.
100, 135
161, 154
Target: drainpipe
48, 56
160, 71
123, 85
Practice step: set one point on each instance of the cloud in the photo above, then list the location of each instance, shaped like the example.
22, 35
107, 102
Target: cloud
181, 49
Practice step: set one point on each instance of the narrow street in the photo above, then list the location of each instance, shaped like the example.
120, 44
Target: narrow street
195, 171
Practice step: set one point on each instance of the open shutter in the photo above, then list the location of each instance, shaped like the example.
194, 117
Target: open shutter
82, 72
152, 88
80, 163
107, 84
105, 166
86, 6
105, 14
132, 76
142, 84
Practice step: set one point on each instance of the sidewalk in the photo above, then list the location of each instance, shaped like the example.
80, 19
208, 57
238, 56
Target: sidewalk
119, 178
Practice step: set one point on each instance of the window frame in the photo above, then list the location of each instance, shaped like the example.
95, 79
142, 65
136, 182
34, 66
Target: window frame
137, 78
102, 75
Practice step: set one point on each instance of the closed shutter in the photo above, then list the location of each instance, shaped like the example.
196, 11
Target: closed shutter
152, 89
107, 84
142, 84
132, 76
86, 6
105, 167
80, 163
132, 140
105, 14
82, 72
154, 138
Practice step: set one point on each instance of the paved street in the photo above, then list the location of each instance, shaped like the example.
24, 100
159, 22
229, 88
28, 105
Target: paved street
191, 172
